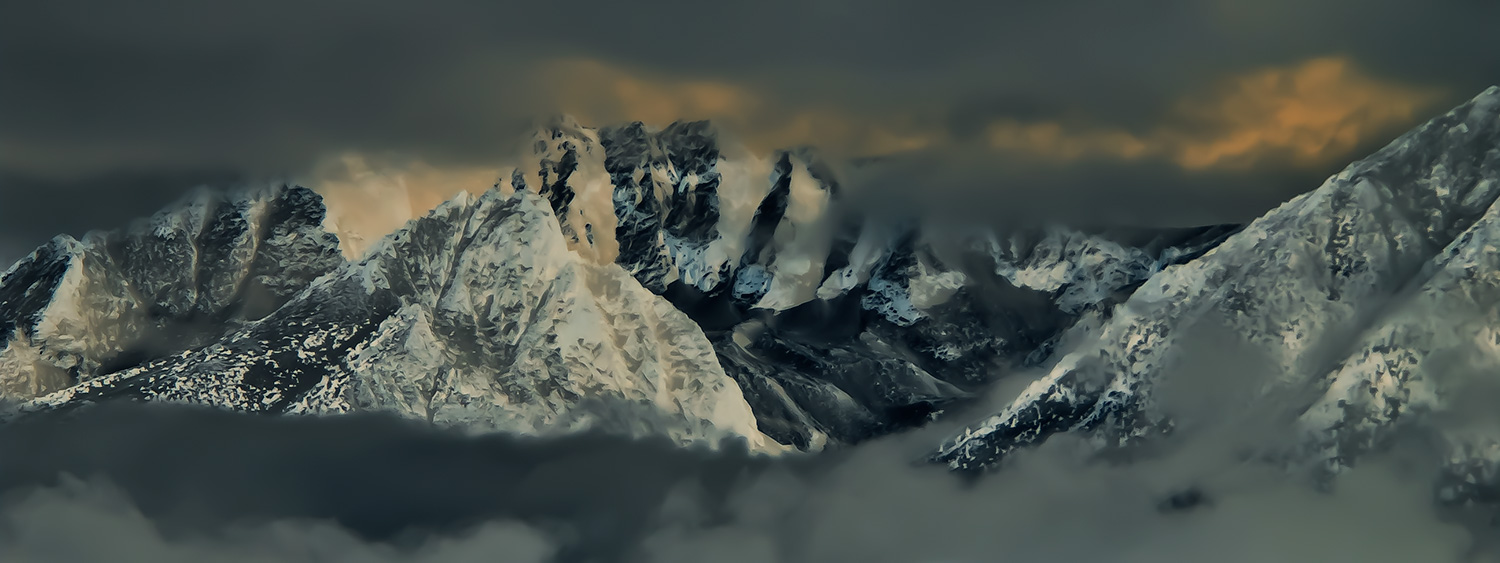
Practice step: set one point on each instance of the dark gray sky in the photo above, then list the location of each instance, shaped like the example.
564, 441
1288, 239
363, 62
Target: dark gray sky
1186, 111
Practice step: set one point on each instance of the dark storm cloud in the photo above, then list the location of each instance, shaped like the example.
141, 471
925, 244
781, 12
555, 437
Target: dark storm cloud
196, 471
166, 87
1005, 191
34, 209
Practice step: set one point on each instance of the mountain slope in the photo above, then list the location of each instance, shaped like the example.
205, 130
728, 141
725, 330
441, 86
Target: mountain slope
74, 310
1371, 301
475, 316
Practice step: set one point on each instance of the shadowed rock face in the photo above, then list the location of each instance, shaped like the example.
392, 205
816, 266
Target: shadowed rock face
808, 305
74, 310
665, 196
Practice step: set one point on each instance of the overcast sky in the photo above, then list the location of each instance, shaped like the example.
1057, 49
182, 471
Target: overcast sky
1152, 112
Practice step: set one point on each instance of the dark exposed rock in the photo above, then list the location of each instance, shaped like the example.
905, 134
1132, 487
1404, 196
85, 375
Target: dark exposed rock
75, 310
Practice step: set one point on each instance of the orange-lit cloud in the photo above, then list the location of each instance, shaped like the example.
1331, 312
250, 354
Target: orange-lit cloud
1311, 113
370, 197
598, 93
1304, 114
1054, 141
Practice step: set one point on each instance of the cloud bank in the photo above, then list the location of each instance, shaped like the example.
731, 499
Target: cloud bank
1160, 103
170, 484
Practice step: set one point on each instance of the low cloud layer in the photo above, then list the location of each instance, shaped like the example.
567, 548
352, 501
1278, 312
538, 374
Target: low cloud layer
94, 521
158, 484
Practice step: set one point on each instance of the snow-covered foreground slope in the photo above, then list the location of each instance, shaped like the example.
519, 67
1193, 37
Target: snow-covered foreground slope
1371, 301
477, 316
74, 310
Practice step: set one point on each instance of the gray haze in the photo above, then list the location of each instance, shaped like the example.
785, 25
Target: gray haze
101, 96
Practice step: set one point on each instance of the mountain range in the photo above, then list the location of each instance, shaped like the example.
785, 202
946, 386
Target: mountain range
653, 281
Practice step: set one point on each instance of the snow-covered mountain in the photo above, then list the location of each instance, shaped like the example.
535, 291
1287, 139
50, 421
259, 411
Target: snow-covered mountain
658, 282
649, 281
836, 328
77, 309
1373, 301
478, 316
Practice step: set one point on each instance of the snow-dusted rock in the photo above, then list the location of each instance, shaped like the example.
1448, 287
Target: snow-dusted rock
478, 315
74, 310
1081, 270
1374, 294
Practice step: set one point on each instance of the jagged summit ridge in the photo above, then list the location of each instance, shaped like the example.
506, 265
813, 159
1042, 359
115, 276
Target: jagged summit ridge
706, 291
682, 209
761, 250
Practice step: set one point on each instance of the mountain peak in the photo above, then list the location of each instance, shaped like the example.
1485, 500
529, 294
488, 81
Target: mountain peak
727, 293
